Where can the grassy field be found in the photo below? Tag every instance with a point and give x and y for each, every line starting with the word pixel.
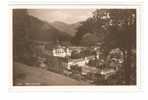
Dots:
pixel 33 76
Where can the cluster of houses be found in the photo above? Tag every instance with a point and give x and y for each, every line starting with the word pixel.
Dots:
pixel 62 52
pixel 65 52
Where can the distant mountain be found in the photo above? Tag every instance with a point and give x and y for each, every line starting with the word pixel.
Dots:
pixel 70 29
pixel 43 31
pixel 29 27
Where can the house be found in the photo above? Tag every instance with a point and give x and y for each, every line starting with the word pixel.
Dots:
pixel 107 72
pixel 78 49
pixel 89 69
pixel 80 62
pixel 61 51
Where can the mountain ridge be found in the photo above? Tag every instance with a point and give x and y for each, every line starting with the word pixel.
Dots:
pixel 70 29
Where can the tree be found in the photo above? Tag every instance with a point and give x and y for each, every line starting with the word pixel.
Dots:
pixel 115 28
pixel 21 44
pixel 123 35
pixel 93 26
pixel 55 64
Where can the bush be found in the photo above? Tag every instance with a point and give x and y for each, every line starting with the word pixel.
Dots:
pixel 55 65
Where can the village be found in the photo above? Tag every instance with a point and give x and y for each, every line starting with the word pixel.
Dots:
pixel 98 50
pixel 78 62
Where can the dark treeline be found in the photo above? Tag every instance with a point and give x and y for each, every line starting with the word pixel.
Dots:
pixel 112 28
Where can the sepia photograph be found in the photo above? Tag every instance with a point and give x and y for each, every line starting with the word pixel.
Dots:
pixel 74 47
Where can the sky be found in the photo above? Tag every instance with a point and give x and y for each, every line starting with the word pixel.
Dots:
pixel 69 16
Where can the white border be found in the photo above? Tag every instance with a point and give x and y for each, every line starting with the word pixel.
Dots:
pixel 136 88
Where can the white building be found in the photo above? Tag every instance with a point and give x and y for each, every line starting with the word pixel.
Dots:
pixel 61 51
pixel 79 62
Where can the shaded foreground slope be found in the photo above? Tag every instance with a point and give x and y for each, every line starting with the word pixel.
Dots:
pixel 26 75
